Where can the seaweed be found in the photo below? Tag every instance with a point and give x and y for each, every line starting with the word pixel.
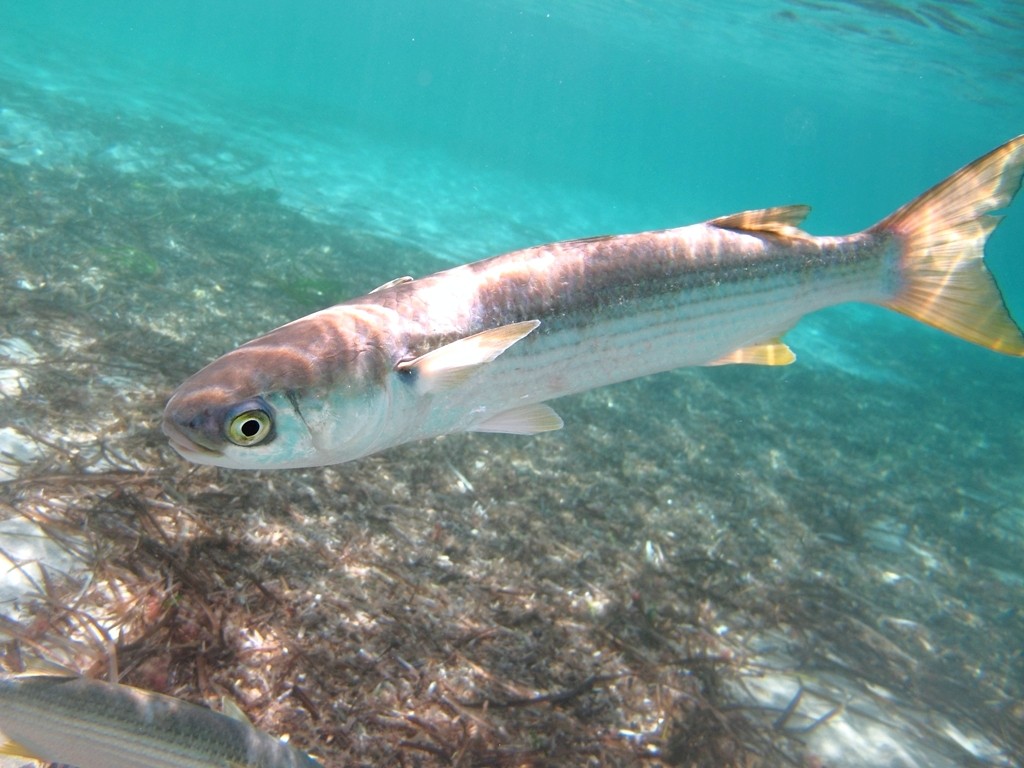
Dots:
pixel 609 596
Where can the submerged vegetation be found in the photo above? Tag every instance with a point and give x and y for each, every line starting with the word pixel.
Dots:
pixel 681 577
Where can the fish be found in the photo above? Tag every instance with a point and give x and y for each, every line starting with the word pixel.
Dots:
pixel 95 724
pixel 482 347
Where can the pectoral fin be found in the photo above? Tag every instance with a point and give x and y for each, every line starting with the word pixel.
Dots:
pixel 525 420
pixel 773 352
pixel 452 364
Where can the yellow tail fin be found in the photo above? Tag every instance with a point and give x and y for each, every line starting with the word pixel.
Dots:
pixel 943 234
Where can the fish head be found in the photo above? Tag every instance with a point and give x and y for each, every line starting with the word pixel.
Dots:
pixel 310 393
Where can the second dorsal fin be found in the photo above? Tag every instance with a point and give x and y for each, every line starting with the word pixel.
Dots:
pixel 781 220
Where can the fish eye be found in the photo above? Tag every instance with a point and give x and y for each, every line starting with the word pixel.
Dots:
pixel 250 426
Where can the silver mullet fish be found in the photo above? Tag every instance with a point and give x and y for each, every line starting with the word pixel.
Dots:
pixel 93 724
pixel 481 347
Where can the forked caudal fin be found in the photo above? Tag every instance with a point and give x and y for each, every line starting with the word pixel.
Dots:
pixel 943 234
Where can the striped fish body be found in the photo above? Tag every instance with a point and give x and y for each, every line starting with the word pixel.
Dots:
pixel 92 724
pixel 609 309
pixel 482 346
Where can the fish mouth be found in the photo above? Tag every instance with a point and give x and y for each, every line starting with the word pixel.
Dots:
pixel 183 444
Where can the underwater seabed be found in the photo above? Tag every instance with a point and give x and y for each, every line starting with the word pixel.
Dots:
pixel 406 194
pixel 733 566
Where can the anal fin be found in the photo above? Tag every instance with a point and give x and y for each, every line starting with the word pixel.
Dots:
pixel 11 748
pixel 773 352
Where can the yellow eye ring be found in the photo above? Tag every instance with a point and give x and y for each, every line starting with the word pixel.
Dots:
pixel 249 427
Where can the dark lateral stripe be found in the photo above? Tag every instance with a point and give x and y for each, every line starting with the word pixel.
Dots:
pixel 577 283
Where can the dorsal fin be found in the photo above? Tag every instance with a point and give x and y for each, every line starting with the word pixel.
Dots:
pixel 392 283
pixel 781 220
pixel 230 708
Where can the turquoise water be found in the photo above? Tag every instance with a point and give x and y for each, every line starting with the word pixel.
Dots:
pixel 450 132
